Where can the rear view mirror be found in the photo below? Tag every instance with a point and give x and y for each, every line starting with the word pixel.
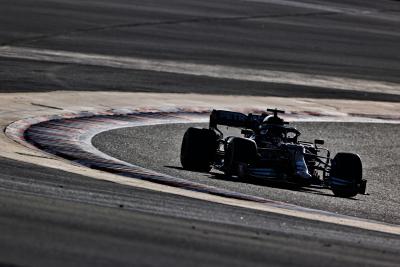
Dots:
pixel 319 142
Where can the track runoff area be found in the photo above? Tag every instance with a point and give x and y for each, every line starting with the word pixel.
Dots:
pixel 76 136
pixel 72 139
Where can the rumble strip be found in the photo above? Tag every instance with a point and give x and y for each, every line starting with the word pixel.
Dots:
pixel 68 136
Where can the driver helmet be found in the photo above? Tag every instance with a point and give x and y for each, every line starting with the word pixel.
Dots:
pixel 271 119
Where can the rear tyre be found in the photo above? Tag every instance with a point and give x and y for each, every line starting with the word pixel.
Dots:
pixel 346 175
pixel 238 150
pixel 198 149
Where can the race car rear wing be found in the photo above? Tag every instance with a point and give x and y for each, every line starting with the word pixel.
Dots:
pixel 235 119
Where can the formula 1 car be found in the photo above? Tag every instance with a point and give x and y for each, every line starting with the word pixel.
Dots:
pixel 269 149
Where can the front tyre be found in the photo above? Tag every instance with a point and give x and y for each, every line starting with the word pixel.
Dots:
pixel 198 149
pixel 238 151
pixel 346 175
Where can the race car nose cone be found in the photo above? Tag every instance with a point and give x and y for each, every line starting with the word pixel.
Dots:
pixel 303 175
pixel 302 170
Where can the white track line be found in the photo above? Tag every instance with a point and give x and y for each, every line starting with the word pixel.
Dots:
pixel 197 69
pixel 334 8
pixel 17 106
pixel 283 208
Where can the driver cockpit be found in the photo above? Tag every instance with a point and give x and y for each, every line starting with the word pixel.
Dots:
pixel 272 134
pixel 273 130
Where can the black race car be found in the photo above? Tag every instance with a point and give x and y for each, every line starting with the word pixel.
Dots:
pixel 269 149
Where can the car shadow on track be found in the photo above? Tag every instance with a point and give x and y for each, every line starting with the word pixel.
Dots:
pixel 317 190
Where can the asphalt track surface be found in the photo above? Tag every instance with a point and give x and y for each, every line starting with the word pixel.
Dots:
pixel 158 148
pixel 250 34
pixel 52 218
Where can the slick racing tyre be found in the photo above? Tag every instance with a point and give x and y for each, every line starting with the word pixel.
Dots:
pixel 346 175
pixel 198 149
pixel 238 150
